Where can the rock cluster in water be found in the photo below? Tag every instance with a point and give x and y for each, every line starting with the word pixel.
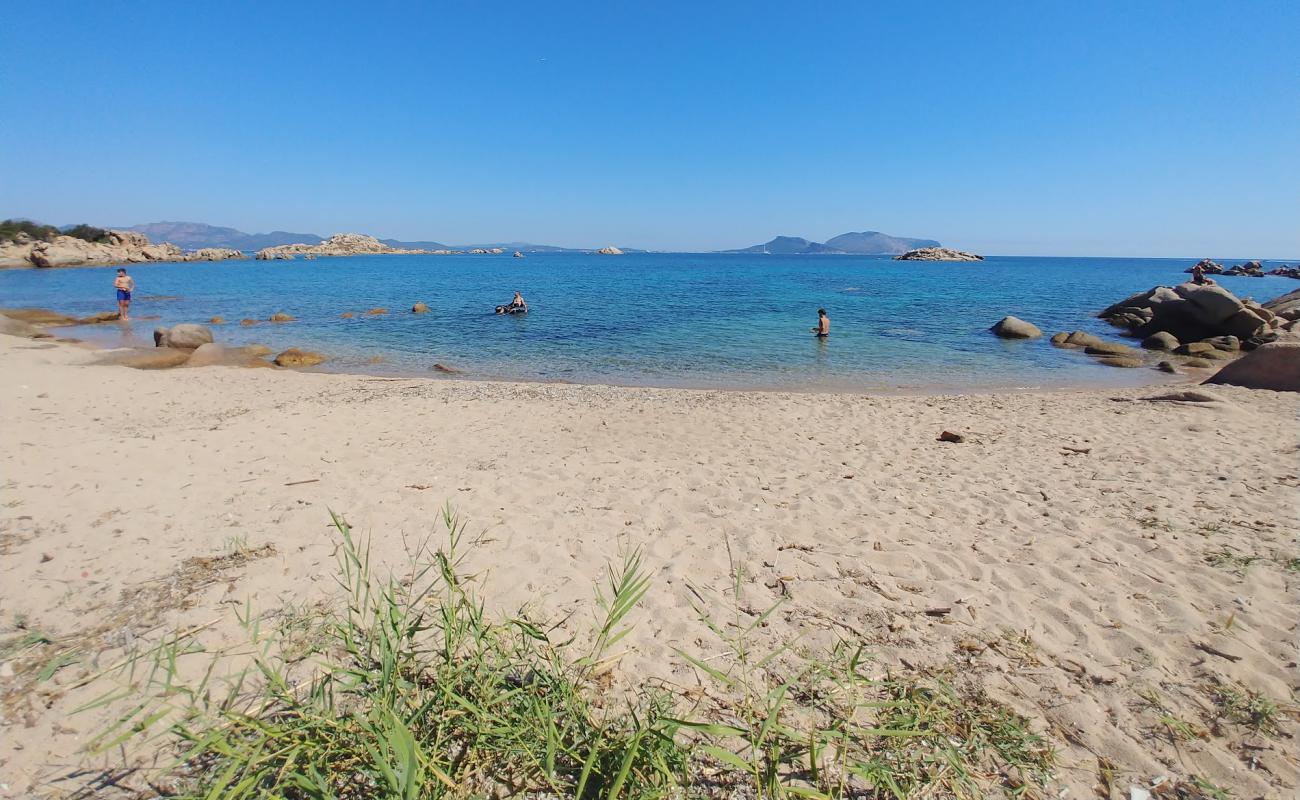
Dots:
pixel 118 247
pixel 1203 323
pixel 1251 269
pixel 1193 312
pixel 937 254
pixel 609 251
pixel 355 244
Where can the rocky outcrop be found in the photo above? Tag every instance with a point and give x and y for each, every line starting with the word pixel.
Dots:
pixel 1016 328
pixel 340 244
pixel 1274 366
pixel 937 254
pixel 215 355
pixel 1189 312
pixel 1208 266
pixel 145 357
pixel 117 247
pixel 214 254
pixel 294 357
pixel 420 308
pixel 1251 269
pixel 609 251
pixel 1285 272
pixel 1287 306
pixel 186 336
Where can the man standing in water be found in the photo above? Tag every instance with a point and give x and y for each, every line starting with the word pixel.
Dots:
pixel 124 285
pixel 823 328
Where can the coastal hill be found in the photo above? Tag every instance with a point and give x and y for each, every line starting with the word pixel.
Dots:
pixel 875 243
pixel 864 243
pixel 197 235
pixel 788 246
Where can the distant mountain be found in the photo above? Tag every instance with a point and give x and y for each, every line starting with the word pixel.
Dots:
pixel 529 247
pixel 194 235
pixel 875 243
pixel 417 245
pixel 788 246
pixel 865 243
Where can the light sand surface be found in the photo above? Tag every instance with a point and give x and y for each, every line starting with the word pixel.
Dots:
pixel 1068 534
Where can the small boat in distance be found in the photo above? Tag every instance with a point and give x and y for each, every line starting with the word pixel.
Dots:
pixel 518 254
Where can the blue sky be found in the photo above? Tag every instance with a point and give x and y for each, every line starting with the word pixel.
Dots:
pixel 1053 128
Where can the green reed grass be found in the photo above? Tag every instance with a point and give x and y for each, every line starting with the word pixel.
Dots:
pixel 412 690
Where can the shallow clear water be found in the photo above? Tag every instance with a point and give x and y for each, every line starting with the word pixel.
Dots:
pixel 654 319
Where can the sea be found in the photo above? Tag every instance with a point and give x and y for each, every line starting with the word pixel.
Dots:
pixel 656 319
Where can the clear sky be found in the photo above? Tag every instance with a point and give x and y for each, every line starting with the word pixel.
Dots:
pixel 1052 128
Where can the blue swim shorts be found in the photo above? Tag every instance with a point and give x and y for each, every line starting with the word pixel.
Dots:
pixel 123 294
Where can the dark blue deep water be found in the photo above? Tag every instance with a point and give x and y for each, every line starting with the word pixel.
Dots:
pixel 653 319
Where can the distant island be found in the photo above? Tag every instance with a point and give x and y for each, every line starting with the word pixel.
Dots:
pixel 199 235
pixel 861 243
pixel 26 243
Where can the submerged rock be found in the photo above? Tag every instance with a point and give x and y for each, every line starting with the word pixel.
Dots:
pixel 419 308
pixel 186 336
pixel 1015 328
pixel 1120 361
pixel 146 357
pixel 1081 339
pixel 102 317
pixel 1160 341
pixel 39 316
pixel 280 316
pixel 16 327
pixel 374 312
pixel 217 321
pixel 1110 349
pixel 294 357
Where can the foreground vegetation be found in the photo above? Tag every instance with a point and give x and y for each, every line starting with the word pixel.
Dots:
pixel 412 690
pixel 10 228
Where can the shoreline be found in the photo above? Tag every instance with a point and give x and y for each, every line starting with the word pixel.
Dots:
pixel 1078 538
pixel 1154 378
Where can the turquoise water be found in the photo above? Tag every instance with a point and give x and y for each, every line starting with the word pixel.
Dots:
pixel 726 321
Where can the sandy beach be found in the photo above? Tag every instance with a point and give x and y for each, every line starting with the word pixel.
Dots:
pixel 1105 560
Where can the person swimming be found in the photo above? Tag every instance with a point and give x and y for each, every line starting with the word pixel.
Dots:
pixel 823 328
pixel 516 306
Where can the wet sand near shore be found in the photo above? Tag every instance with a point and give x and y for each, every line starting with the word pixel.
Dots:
pixel 1106 561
